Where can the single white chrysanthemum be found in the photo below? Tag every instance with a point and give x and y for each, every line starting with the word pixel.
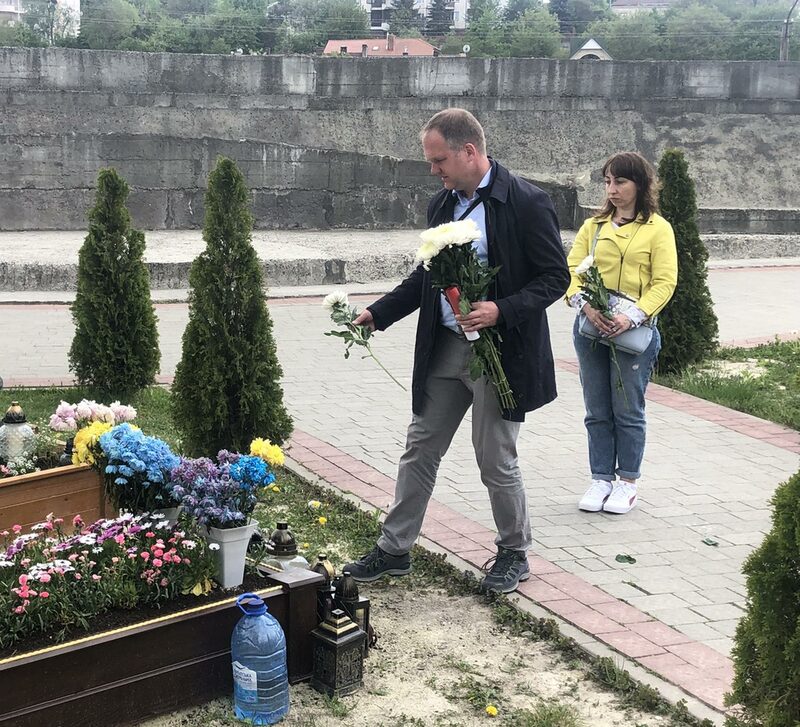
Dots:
pixel 338 297
pixel 584 265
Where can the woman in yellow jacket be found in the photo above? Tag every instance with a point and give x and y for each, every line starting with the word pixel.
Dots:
pixel 635 254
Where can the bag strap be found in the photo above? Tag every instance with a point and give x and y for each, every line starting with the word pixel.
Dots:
pixel 596 235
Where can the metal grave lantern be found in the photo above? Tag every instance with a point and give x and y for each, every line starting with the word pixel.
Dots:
pixel 282 549
pixel 347 598
pixel 16 434
pixel 325 590
pixel 338 655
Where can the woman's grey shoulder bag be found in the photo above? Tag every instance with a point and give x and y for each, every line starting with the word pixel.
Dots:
pixel 633 341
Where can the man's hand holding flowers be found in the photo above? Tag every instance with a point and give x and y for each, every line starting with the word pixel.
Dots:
pixel 485 314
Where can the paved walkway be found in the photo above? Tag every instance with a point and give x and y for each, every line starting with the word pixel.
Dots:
pixel 708 473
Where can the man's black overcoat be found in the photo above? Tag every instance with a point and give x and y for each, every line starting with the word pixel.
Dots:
pixel 524 240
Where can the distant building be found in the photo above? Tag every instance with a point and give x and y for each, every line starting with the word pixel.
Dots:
pixel 11 11
pixel 626 7
pixel 380 12
pixel 381 47
pixel 591 50
pixel 68 19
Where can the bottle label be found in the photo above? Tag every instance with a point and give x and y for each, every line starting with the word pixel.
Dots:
pixel 245 684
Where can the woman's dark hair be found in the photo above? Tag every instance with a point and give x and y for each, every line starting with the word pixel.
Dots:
pixel 632 165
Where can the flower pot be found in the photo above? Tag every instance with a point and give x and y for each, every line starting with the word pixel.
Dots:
pixel 230 556
pixel 169 514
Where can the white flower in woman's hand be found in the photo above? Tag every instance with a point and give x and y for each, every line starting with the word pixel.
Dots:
pixel 338 297
pixel 584 265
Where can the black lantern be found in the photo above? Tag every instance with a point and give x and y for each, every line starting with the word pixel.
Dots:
pixel 354 605
pixel 338 655
pixel 324 589
pixel 282 549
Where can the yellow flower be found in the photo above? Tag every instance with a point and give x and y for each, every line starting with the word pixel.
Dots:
pixel 314 504
pixel 275 488
pixel 491 710
pixel 86 447
pixel 269 452
pixel 322 520
pixel 306 545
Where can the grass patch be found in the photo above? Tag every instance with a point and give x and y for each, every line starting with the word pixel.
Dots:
pixel 545 715
pixel 772 392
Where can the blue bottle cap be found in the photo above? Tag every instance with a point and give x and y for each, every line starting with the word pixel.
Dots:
pixel 251 604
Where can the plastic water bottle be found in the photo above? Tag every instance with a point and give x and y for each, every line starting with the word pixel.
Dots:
pixel 258 651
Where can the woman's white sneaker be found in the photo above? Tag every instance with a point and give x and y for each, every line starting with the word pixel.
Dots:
pixel 594 498
pixel 622 498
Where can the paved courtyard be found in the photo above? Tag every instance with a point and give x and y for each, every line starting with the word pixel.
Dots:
pixel 708 473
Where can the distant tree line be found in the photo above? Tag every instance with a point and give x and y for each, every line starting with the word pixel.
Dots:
pixel 712 29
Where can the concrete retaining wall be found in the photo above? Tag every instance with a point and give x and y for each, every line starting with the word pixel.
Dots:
pixel 64 113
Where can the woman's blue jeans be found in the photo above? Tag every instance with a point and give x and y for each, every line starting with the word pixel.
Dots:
pixel 615 421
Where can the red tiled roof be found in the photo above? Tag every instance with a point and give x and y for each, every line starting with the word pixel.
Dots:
pixel 379 47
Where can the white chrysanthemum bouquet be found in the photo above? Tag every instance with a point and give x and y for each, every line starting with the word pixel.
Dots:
pixel 447 252
pixel 343 314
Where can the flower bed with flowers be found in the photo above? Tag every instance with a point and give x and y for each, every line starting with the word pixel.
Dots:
pixel 56 581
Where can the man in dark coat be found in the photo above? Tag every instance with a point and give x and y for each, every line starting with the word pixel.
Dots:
pixel 519 233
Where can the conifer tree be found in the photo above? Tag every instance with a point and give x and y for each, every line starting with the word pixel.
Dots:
pixel 227 385
pixel 766 651
pixel 688 323
pixel 115 348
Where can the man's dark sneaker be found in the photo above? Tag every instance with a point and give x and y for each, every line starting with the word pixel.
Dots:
pixel 378 563
pixel 506 570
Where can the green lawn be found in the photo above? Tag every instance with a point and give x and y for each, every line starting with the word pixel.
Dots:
pixel 768 386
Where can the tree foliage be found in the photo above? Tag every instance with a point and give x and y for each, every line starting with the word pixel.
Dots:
pixel 115 348
pixel 766 650
pixel 227 385
pixel 688 323
pixel 535 35
pixel 406 20
pixel 439 18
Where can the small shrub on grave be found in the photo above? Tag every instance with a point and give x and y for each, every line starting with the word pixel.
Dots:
pixel 688 323
pixel 227 385
pixel 115 348
pixel 766 653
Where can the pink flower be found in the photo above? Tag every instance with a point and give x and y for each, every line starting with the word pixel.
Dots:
pixel 72 557
pixel 145 556
pixel 19 609
pixel 23 580
pixel 78 576
pixel 150 534
pixel 25 562
pixel 17 529
pixel 96 577
pixel 58 520
pixel 187 561
pixel 176 559
pixel 164 582
pixel 115 559
pixel 44 578
pixel 44 594
pixel 157 562
pixel 47 525
pixel 158 552
pixel 5 533
pixel 119 539
pixel 77 521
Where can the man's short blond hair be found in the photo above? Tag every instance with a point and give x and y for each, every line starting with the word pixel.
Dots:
pixel 457 127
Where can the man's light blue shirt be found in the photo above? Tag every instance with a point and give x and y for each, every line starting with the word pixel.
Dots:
pixel 481 245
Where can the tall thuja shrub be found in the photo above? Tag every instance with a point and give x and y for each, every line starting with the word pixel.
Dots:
pixel 115 348
pixel 227 385
pixel 688 323
pixel 766 651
